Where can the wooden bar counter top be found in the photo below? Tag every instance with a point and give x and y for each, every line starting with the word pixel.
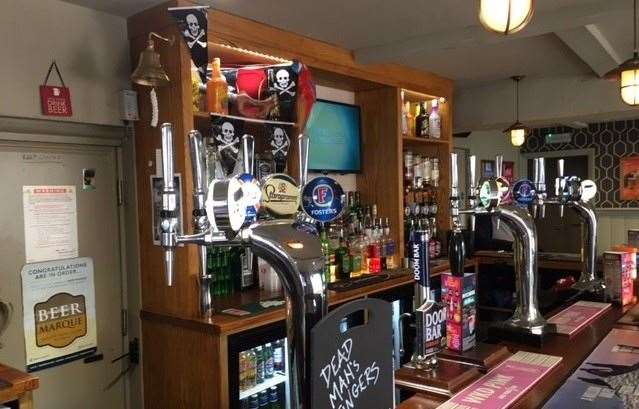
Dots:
pixel 16 386
pixel 573 351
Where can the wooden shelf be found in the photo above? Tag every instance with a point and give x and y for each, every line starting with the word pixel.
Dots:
pixel 408 140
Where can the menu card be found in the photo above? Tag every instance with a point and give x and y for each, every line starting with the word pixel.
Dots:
pixel 608 378
pixel 504 384
pixel 577 316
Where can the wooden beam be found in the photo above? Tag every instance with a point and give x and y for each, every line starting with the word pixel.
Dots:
pixel 474 36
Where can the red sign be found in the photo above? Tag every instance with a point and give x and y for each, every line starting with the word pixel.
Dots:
pixel 55 100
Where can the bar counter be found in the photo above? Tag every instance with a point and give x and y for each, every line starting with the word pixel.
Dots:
pixel 224 324
pixel 16 387
pixel 573 351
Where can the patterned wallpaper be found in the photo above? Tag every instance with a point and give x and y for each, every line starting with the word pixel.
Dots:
pixel 610 140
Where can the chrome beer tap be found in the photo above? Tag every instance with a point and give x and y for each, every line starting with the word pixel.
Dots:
pixel 294 253
pixel 527 318
pixel 572 192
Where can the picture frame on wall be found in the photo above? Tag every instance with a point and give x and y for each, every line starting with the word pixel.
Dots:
pixel 629 178
pixel 487 168
pixel 508 172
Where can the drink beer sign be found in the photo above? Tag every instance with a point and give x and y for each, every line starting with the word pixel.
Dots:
pixel 58 312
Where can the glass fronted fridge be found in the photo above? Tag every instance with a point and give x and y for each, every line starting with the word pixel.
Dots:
pixel 258 369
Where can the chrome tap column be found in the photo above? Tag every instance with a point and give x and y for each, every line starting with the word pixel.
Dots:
pixel 527 318
pixel 572 192
pixel 220 220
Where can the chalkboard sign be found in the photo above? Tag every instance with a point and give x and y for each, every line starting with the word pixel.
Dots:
pixel 353 367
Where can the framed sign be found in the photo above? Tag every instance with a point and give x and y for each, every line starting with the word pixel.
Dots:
pixel 58 300
pixel 487 168
pixel 156 202
pixel 55 100
pixel 629 178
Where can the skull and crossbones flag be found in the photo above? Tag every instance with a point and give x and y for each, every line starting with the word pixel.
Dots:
pixel 279 144
pixel 193 24
pixel 227 132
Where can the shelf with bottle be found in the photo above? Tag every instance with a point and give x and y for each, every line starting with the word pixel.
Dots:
pixel 359 243
pixel 421 118
pixel 262 371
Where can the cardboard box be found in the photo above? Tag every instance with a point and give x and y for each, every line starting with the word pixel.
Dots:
pixel 459 295
pixel 618 270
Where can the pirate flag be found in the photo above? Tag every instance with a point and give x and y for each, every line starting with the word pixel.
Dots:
pixel 193 23
pixel 227 132
pixel 279 144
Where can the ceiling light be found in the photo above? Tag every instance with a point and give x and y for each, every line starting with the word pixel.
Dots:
pixel 517 131
pixel 505 16
pixel 628 72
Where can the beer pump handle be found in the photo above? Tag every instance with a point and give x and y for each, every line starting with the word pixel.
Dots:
pixel 454 178
pixel 248 150
pixel 472 189
pixel 539 178
pixel 499 166
pixel 303 142
pixel 198 163
pixel 169 216
pixel 559 186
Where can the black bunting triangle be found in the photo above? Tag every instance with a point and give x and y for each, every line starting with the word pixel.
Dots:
pixel 193 25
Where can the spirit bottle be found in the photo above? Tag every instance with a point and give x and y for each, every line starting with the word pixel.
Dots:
pixel 410 119
pixel 422 123
pixel 405 110
pixel 342 259
pixel 217 90
pixel 328 253
pixel 435 121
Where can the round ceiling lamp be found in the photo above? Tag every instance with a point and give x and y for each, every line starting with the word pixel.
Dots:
pixel 505 16
pixel 628 72
pixel 517 131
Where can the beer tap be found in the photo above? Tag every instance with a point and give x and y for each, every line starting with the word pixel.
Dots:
pixel 572 192
pixel 527 318
pixel 220 220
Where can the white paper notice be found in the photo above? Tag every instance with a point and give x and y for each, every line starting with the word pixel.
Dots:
pixel 50 222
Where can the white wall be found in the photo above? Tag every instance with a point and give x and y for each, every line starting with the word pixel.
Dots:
pixel 91 49
pixel 347 181
pixel 487 144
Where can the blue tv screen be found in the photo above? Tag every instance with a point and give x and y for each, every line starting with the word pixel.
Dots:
pixel 334 132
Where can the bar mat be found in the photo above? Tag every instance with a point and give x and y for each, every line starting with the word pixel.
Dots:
pixel 255 308
pixel 359 282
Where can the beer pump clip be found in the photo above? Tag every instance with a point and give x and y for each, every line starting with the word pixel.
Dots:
pixel 219 219
pixel 571 191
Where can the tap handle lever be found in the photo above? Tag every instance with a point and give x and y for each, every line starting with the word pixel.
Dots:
pixel 303 141
pixel 499 165
pixel 454 177
pixel 248 149
pixel 199 168
pixel 472 168
pixel 169 214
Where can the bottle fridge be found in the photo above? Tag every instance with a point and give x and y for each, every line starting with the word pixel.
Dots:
pixel 258 372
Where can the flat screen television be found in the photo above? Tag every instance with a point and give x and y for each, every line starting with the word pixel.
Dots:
pixel 335 140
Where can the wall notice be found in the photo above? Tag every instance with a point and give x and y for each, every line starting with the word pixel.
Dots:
pixel 50 222
pixel 59 312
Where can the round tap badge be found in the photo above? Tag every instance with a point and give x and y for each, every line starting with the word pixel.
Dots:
pixel 280 195
pixel 588 190
pixel 252 195
pixel 322 199
pixel 524 192
pixel 489 194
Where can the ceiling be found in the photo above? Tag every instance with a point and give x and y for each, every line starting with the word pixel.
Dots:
pixel 565 38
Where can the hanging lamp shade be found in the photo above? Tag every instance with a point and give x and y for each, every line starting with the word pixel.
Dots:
pixel 149 71
pixel 505 16
pixel 628 73
pixel 517 131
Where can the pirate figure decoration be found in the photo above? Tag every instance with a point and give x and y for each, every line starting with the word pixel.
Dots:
pixel 279 145
pixel 282 82
pixel 193 23
pixel 227 132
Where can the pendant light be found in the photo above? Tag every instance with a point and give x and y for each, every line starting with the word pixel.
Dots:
pixel 505 16
pixel 517 131
pixel 628 72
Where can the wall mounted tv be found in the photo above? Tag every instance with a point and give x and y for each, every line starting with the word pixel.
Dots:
pixel 335 137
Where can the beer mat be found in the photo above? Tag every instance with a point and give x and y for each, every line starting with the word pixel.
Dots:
pixel 255 308
pixel 576 317
pixel 505 384
pixel 631 317
pixel 608 378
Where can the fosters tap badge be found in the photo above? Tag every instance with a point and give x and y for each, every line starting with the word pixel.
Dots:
pixel 322 199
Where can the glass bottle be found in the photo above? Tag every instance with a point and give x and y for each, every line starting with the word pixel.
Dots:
pixel 405 110
pixel 259 365
pixel 327 251
pixel 274 398
pixel 269 367
pixel 435 121
pixel 251 377
pixel 435 173
pixel 390 247
pixel 410 119
pixel 342 258
pixel 217 90
pixel 363 248
pixel 422 123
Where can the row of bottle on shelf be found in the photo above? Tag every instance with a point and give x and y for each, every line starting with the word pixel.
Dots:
pixel 359 243
pixel 261 363
pixel 421 123
pixel 271 398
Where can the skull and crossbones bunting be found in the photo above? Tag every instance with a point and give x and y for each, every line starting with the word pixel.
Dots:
pixel 226 136
pixel 279 145
pixel 193 24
